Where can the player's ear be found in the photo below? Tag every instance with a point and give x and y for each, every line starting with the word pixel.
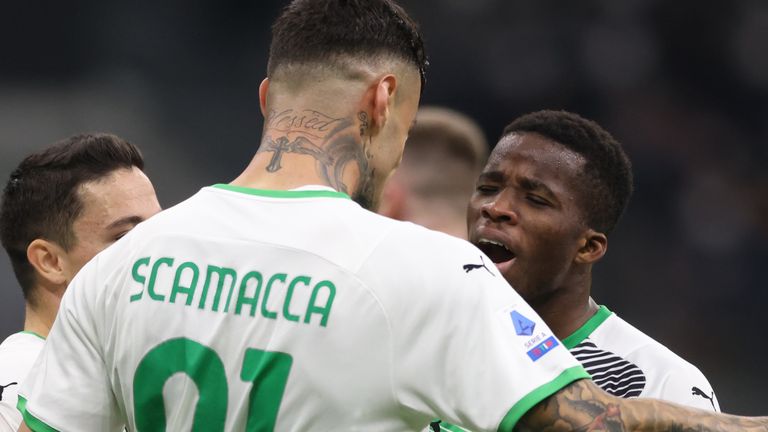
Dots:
pixel 594 245
pixel 47 258
pixel 382 99
pixel 263 89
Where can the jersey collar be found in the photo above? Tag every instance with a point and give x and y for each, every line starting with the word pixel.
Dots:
pixel 309 191
pixel 587 328
pixel 31 333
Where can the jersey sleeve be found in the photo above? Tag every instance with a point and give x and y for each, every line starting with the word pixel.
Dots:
pixel 688 386
pixel 466 348
pixel 10 417
pixel 68 388
pixel 10 377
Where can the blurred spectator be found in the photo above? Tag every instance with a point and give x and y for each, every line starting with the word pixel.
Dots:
pixel 443 156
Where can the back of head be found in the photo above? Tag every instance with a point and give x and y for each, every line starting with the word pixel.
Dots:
pixel 41 199
pixel 444 154
pixel 607 172
pixel 335 36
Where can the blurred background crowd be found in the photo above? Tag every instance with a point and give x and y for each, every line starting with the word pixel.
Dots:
pixel 683 85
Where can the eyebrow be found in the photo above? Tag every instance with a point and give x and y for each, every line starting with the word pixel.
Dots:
pixel 496 176
pixel 128 220
pixel 531 184
pixel 527 183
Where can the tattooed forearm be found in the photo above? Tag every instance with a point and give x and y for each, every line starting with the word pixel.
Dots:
pixel 582 406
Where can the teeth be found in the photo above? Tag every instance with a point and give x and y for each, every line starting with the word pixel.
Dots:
pixel 492 242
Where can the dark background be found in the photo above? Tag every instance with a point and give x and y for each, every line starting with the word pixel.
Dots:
pixel 683 84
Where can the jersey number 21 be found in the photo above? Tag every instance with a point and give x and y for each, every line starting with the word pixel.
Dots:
pixel 267 371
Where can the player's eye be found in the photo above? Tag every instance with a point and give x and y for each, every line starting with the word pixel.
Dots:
pixel 486 189
pixel 537 200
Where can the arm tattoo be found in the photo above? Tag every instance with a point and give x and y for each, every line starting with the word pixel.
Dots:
pixel 330 141
pixel 582 406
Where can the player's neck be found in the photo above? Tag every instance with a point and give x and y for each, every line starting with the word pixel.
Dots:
pixel 568 308
pixel 39 318
pixel 302 146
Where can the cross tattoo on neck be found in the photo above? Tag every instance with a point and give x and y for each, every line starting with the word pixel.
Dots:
pixel 279 146
pixel 300 145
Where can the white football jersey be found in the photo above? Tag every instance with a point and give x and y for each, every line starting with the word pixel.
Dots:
pixel 626 362
pixel 17 354
pixel 243 309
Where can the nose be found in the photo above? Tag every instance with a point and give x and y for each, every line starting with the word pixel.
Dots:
pixel 499 210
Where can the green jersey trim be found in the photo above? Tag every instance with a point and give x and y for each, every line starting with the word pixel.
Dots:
pixel 542 392
pixel 283 193
pixel 32 333
pixel 33 423
pixel 587 328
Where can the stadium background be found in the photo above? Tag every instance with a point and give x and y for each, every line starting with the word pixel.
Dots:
pixel 684 85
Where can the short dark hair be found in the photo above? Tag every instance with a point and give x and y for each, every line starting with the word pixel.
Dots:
pixel 319 31
pixel 444 140
pixel 41 198
pixel 608 170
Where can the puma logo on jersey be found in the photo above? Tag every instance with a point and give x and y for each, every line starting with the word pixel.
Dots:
pixel 469 267
pixel 699 392
pixel 3 387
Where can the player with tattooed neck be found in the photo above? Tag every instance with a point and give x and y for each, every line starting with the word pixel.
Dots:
pixel 277 303
pixel 343 125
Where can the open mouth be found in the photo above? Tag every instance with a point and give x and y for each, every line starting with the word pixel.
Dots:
pixel 497 252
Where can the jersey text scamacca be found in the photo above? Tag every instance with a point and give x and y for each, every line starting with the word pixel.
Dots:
pixel 221 289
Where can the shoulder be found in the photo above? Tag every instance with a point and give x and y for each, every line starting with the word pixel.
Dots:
pixel 183 216
pixel 433 269
pixel 430 254
pixel 17 355
pixel 10 417
pixel 637 345
pixel 121 254
pixel 20 347
pixel 431 246
pixel 670 376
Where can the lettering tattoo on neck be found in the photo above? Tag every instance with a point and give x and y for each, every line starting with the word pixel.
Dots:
pixel 329 140
pixel 309 122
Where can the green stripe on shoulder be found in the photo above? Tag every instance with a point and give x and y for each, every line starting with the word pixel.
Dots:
pixel 542 392
pixel 33 423
pixel 283 193
pixel 587 328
